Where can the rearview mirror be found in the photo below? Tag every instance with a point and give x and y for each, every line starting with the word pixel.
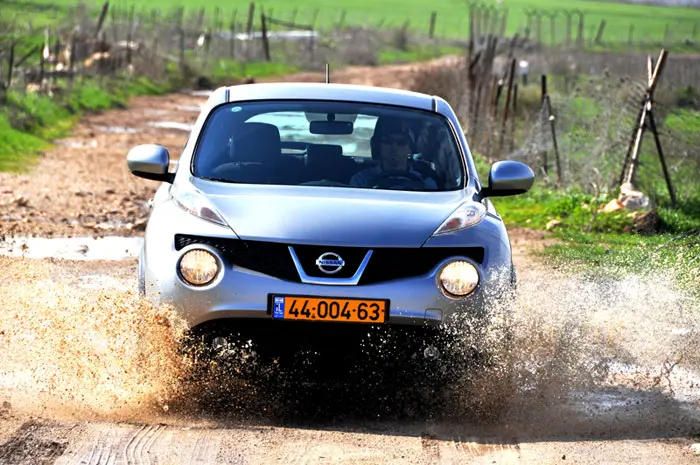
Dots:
pixel 508 178
pixel 150 161
pixel 331 127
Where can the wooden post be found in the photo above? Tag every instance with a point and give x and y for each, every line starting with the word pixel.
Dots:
pixel 11 64
pixel 551 118
pixel 42 63
pixel 129 35
pixel 601 30
pixel 667 34
pixel 431 29
pixel 511 78
pixel 513 118
pixel 101 20
pixel 543 87
pixel 71 64
pixel 543 84
pixel 631 162
pixel 232 40
pixel 251 18
pixel 568 29
pixel 695 30
pixel 657 141
pixel 266 44
pixel 341 21
pixel 630 37
pixel 579 38
pixel 504 22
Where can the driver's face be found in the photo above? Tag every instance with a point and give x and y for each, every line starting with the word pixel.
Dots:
pixel 394 151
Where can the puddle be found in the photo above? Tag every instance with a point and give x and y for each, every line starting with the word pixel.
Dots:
pixel 192 108
pixel 74 248
pixel 291 35
pixel 154 112
pixel 118 129
pixel 77 144
pixel 171 125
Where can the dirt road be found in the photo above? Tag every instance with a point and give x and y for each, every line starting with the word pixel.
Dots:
pixel 89 374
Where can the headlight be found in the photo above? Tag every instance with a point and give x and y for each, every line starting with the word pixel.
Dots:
pixel 459 278
pixel 466 215
pixel 198 267
pixel 195 203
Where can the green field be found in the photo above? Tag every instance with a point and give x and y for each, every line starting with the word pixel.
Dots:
pixel 651 23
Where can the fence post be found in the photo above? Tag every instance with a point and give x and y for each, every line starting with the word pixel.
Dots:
pixel 543 84
pixel 11 64
pixel 551 118
pixel 232 39
pixel 266 44
pixel 630 37
pixel 249 25
pixel 511 76
pixel 513 118
pixel 504 23
pixel 101 20
pixel 341 21
pixel 579 38
pixel 431 30
pixel 601 30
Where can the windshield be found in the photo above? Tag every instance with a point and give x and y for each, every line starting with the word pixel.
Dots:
pixel 340 144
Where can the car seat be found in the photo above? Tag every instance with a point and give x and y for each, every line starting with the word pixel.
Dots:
pixel 325 161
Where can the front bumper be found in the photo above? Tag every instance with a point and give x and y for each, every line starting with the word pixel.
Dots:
pixel 242 293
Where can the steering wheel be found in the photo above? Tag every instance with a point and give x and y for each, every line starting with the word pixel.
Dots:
pixel 390 178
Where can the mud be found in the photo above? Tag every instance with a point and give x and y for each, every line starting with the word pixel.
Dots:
pixel 600 368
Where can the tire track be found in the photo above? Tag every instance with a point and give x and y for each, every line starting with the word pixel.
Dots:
pixel 431 448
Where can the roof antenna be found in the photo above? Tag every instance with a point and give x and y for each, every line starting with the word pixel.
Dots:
pixel 328 74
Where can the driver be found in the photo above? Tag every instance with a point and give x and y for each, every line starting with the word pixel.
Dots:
pixel 393 145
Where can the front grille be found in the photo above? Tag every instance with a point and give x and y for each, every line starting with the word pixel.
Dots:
pixel 388 264
pixel 385 264
pixel 270 258
pixel 308 254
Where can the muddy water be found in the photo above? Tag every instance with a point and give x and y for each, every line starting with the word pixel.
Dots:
pixel 591 355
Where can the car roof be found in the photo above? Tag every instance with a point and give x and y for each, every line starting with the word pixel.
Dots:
pixel 330 91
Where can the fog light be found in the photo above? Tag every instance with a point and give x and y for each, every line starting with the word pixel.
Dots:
pixel 459 278
pixel 199 267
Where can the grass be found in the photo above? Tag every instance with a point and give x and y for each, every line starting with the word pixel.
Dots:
pixel 650 22
pixel 416 53
pixel 588 238
pixel 29 122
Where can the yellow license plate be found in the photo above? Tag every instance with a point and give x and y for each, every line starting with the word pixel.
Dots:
pixel 329 309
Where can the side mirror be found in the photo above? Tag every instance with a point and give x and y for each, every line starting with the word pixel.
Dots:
pixel 150 161
pixel 508 178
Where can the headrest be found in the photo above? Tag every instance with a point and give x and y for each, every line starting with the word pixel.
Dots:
pixel 256 142
pixel 323 153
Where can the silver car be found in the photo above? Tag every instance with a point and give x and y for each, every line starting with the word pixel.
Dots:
pixel 316 210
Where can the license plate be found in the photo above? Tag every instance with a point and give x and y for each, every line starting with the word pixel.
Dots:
pixel 329 309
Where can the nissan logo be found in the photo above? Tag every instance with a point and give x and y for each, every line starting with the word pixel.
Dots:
pixel 330 263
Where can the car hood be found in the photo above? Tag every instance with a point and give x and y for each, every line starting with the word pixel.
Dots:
pixel 331 215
